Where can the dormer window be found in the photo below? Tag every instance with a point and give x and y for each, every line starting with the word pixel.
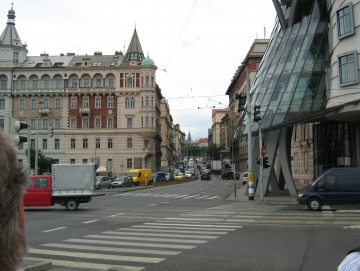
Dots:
pixel 16 57
pixel 38 65
pixel 58 64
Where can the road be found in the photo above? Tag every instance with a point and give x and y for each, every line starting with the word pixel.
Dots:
pixel 190 226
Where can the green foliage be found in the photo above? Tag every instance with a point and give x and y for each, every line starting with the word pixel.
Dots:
pixel 44 163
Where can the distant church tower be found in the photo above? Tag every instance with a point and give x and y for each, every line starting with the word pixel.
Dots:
pixel 189 137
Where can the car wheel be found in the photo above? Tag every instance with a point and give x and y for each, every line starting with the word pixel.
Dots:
pixel 71 204
pixel 109 186
pixel 99 187
pixel 314 204
pixel 138 184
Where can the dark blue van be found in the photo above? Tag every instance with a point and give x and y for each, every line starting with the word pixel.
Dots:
pixel 158 177
pixel 335 186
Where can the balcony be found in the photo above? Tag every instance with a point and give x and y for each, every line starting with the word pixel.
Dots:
pixel 44 111
pixel 84 111
pixel 90 90
pixel 148 131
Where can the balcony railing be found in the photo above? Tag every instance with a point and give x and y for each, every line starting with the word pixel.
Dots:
pixel 44 111
pixel 85 111
pixel 89 90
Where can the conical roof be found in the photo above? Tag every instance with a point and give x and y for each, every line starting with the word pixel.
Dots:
pixel 10 36
pixel 134 51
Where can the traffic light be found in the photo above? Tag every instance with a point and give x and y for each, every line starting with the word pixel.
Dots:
pixel 51 131
pixel 256 113
pixel 242 100
pixel 265 162
pixel 258 159
pixel 20 138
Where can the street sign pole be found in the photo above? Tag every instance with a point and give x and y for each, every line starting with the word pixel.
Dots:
pixel 263 152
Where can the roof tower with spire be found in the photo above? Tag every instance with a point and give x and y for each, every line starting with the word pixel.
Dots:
pixel 134 54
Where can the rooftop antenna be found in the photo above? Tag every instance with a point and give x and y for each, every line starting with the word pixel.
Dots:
pixel 264 32
pixel 124 46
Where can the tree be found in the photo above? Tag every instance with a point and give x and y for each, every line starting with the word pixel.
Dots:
pixel 44 163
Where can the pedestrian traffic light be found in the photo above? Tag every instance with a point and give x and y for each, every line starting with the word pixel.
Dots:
pixel 258 160
pixel 51 131
pixel 265 162
pixel 20 138
pixel 256 113
pixel 242 100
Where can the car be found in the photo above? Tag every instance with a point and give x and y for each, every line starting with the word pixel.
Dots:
pixel 192 172
pixel 180 176
pixel 228 175
pixel 169 177
pixel 103 182
pixel 122 182
pixel 158 177
pixel 237 175
pixel 205 174
pixel 176 171
pixel 120 175
pixel 188 174
pixel 244 177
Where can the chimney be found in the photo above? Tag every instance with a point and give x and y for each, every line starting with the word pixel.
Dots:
pixel 98 53
pixel 118 53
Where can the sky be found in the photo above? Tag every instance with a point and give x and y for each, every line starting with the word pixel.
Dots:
pixel 197 45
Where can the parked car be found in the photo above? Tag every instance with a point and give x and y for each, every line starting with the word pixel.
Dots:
pixel 228 175
pixel 244 177
pixel 103 182
pixel 123 175
pixel 122 182
pixel 188 174
pixel 180 176
pixel 205 174
pixel 169 177
pixel 237 175
pixel 192 172
pixel 158 177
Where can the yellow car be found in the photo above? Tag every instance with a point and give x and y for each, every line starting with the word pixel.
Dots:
pixel 180 176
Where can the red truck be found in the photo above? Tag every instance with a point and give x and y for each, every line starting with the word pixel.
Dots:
pixel 68 185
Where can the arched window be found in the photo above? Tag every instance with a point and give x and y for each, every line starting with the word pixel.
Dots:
pixel 127 102
pixel 132 104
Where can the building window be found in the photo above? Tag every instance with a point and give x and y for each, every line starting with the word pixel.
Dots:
pixel 85 143
pixel 2 123
pixel 110 143
pixel 44 144
pixel 21 103
pixel 129 143
pixel 16 57
pixel 33 103
pixel 97 123
pixel 86 102
pixel 32 143
pixel 46 103
pixel 147 101
pixel 345 20
pixel 152 81
pixel 129 82
pixel 127 102
pixel 348 68
pixel 129 123
pixel 57 144
pixel 58 83
pixel 111 83
pixel 3 84
pixel 33 124
pixel 85 124
pixel 2 103
pixel 98 83
pixel 74 83
pixel 45 123
pixel 142 121
pixel 73 143
pixel 152 121
pixel 152 101
pixel 110 123
pixel 147 81
pixel 86 83
pixel 23 84
pixel 129 163
pixel 35 85
pixel 97 102
pixel 97 143
pixel 132 102
pixel 58 103
pixel 110 102
pixel 85 161
pixel 73 102
pixel 142 101
pixel 47 84
pixel 21 146
pixel 146 121
pixel 57 123
pixel 72 161
pixel 72 123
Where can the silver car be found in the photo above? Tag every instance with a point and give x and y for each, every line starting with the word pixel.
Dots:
pixel 103 182
pixel 188 174
pixel 123 181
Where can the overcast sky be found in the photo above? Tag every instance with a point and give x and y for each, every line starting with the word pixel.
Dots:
pixel 199 43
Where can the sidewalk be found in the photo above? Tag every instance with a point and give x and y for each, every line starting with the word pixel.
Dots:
pixel 283 198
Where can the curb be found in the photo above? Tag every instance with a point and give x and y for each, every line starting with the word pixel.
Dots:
pixel 35 266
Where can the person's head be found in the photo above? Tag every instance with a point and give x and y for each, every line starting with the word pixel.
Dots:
pixel 12 181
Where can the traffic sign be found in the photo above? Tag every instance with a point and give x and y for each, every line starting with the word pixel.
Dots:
pixel 263 150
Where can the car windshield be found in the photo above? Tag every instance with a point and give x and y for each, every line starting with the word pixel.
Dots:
pixel 132 174
pixel 98 178
pixel 245 174
pixel 187 172
pixel 120 178
pixel 180 174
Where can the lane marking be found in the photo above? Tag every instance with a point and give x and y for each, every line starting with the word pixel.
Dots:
pixel 170 226
pixel 160 234
pixel 152 205
pixel 56 229
pixel 195 225
pixel 163 230
pixel 91 221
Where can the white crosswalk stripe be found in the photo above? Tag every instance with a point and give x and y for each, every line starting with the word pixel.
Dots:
pixel 175 196
pixel 138 245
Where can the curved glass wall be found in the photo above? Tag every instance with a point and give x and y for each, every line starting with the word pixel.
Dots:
pixel 290 82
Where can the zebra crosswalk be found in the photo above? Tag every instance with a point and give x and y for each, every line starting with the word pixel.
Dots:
pixel 132 248
pixel 174 196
